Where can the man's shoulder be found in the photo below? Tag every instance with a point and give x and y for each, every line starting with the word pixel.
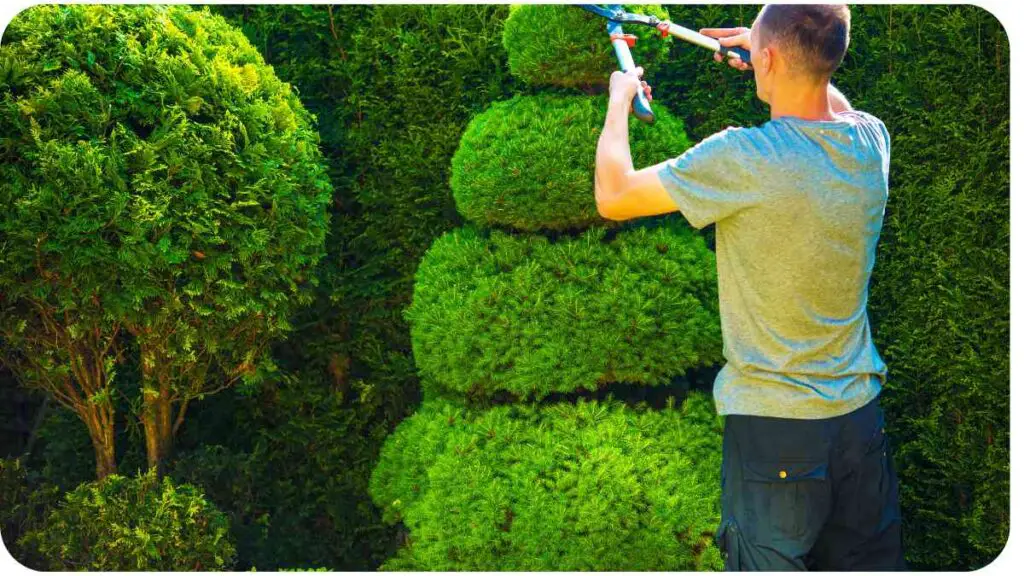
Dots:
pixel 874 125
pixel 862 116
pixel 744 140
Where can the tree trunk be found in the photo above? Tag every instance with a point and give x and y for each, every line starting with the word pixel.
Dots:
pixel 156 419
pixel 99 420
pixel 97 415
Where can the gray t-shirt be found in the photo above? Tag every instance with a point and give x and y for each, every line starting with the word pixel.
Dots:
pixel 798 206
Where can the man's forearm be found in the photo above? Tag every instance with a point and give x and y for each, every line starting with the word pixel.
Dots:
pixel 613 161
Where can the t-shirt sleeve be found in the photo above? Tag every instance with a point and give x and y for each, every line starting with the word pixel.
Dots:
pixel 711 181
pixel 878 129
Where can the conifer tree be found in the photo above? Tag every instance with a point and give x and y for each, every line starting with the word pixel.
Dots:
pixel 165 201
pixel 528 320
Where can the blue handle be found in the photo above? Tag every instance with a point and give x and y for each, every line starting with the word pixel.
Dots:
pixel 641 107
pixel 743 53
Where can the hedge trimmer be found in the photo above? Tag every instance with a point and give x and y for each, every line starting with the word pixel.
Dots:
pixel 621 43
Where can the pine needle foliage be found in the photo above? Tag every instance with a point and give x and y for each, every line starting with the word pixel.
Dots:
pixel 531 316
pixel 560 45
pixel 528 162
pixel 134 524
pixel 591 486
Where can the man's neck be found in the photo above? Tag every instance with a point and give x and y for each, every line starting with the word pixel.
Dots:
pixel 806 101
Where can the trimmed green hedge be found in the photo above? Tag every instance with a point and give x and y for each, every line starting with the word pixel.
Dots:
pixel 530 316
pixel 938 76
pixel 528 162
pixel 559 45
pixel 592 486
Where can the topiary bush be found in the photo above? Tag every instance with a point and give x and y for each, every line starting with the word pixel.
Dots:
pixel 562 487
pixel 500 316
pixel 528 162
pixel 549 45
pixel 494 311
pixel 161 183
pixel 133 524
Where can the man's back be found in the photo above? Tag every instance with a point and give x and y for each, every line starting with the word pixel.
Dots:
pixel 799 207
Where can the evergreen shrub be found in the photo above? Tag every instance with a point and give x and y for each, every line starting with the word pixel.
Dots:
pixel 591 486
pixel 549 45
pixel 159 182
pixel 528 162
pixel 172 173
pixel 531 316
pixel 133 524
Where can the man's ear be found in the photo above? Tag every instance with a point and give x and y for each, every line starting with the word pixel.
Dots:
pixel 767 61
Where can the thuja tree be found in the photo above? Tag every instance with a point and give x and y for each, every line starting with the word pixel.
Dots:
pixel 163 196
pixel 522 321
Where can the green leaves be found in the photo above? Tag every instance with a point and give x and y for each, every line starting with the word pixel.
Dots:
pixel 528 162
pixel 495 312
pixel 186 163
pixel 561 45
pixel 126 524
pixel 592 486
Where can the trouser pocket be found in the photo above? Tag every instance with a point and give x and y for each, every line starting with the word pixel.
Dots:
pixel 727 539
pixel 789 499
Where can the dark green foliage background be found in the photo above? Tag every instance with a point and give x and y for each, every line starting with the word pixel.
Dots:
pixel 528 162
pixel 519 313
pixel 595 485
pixel 393 88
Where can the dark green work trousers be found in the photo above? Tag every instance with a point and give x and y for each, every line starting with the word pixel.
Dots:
pixel 810 494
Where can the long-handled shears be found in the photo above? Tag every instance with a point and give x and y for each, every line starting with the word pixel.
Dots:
pixel 616 17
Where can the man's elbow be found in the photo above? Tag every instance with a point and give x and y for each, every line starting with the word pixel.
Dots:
pixel 607 210
pixel 604 203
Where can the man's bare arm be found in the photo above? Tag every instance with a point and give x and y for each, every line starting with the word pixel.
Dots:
pixel 621 192
pixel 614 161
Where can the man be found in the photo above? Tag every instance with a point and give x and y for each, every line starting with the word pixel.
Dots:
pixel 807 475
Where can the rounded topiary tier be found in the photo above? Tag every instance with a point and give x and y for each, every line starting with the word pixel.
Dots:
pixel 494 311
pixel 528 162
pixel 563 487
pixel 538 299
pixel 549 45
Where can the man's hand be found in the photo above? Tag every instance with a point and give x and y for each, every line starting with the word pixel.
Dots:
pixel 624 85
pixel 728 38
